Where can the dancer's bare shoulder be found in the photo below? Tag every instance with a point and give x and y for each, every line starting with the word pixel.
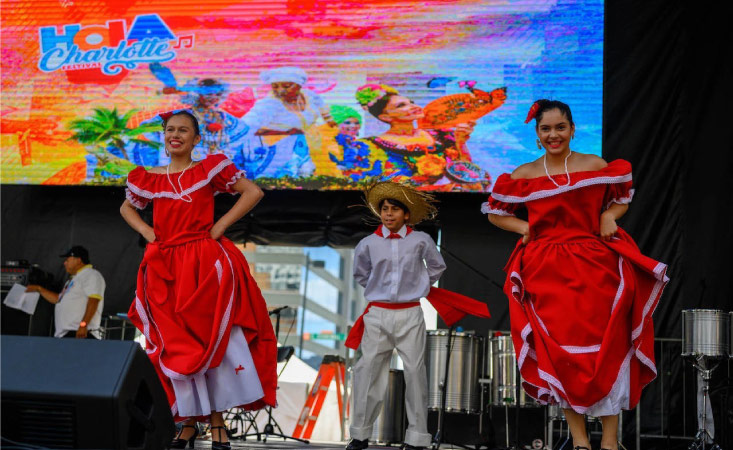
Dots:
pixel 587 162
pixel 527 170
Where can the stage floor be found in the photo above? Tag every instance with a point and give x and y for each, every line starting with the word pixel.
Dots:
pixel 276 444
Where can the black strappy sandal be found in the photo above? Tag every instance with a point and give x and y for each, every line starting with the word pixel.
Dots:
pixel 181 443
pixel 218 445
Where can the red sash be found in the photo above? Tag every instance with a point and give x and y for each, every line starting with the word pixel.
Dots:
pixel 357 331
pixel 451 307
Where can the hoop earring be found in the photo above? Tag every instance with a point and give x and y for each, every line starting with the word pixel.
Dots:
pixel 539 146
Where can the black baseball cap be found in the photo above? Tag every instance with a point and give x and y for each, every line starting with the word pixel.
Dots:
pixel 79 252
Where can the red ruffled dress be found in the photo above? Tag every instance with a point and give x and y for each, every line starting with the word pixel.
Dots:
pixel 580 307
pixel 205 321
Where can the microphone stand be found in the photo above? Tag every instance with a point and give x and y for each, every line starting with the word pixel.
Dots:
pixel 269 429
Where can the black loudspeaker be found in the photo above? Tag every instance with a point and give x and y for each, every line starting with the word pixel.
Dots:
pixel 82 393
pixel 464 429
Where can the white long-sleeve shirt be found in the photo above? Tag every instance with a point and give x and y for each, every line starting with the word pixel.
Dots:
pixel 397 270
pixel 271 113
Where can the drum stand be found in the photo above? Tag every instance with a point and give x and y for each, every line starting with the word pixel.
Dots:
pixel 703 437
pixel 438 437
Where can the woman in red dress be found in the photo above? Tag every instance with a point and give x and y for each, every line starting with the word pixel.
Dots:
pixel 205 321
pixel 581 295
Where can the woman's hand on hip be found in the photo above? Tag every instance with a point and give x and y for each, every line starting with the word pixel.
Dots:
pixel 526 233
pixel 608 227
pixel 216 232
pixel 149 235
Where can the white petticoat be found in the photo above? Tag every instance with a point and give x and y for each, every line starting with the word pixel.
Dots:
pixel 233 383
pixel 616 400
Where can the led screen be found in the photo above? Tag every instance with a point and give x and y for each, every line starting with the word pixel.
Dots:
pixel 300 94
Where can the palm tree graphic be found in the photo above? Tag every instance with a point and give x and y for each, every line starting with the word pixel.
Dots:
pixel 106 128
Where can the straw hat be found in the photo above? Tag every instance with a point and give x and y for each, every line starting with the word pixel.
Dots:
pixel 419 203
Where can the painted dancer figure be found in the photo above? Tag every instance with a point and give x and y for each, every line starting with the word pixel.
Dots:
pixel 350 155
pixel 396 266
pixel 581 295
pixel 284 140
pixel 205 321
pixel 409 154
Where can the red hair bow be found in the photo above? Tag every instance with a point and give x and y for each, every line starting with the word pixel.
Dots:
pixel 532 111
pixel 166 115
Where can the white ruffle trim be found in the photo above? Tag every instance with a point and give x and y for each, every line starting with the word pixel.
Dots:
pixel 168 194
pixel 622 200
pixel 559 190
pixel 135 200
pixel 234 382
pixel 236 177
pixel 487 209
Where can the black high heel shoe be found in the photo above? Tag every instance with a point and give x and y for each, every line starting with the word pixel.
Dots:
pixel 181 443
pixel 218 445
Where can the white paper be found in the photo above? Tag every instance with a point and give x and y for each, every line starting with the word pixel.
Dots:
pixel 30 299
pixel 18 298
pixel 14 299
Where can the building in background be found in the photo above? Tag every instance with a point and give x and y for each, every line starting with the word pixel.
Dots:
pixel 317 286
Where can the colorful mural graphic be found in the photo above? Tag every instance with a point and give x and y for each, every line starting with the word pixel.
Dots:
pixel 300 94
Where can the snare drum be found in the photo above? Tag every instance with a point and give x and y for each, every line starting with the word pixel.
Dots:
pixel 503 372
pixel 706 332
pixel 463 390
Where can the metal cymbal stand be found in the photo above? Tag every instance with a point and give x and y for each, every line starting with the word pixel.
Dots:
pixel 703 437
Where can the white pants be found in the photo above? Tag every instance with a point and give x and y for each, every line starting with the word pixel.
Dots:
pixel 385 330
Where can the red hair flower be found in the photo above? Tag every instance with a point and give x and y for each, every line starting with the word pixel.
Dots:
pixel 532 111
pixel 166 115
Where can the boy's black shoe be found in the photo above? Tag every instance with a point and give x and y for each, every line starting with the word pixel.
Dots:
pixel 356 444
pixel 411 447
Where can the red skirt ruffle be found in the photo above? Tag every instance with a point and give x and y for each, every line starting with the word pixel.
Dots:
pixel 189 294
pixel 581 318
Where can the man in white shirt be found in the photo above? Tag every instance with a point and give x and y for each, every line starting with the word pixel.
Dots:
pixel 78 312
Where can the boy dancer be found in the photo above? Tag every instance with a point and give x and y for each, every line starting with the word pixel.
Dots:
pixel 396 266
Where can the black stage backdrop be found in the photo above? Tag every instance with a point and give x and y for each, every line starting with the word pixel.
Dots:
pixel 667 109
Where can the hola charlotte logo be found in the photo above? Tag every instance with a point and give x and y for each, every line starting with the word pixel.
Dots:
pixel 109 48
